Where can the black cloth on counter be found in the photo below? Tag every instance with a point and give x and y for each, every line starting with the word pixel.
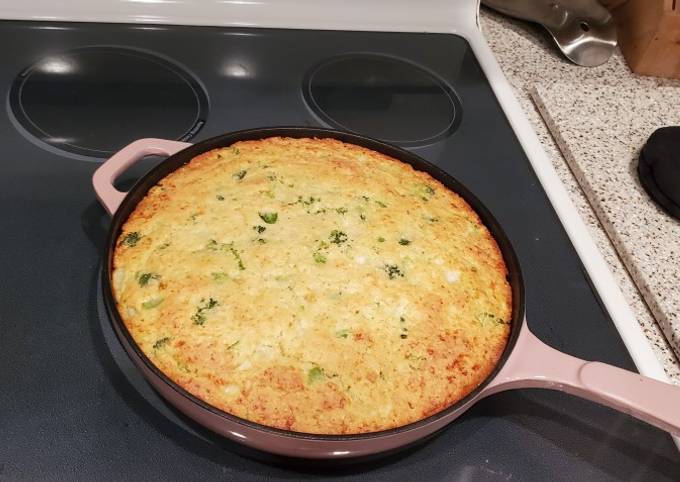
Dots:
pixel 659 168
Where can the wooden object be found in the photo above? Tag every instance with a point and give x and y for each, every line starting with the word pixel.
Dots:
pixel 649 36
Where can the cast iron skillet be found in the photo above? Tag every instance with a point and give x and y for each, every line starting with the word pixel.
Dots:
pixel 525 362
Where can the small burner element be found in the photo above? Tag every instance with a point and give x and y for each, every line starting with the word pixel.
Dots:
pixel 659 168
pixel 92 101
pixel 382 97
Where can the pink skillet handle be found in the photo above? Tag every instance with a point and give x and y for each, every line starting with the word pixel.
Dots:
pixel 104 177
pixel 533 364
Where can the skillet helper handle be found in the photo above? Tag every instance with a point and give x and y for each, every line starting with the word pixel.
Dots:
pixel 533 364
pixel 105 176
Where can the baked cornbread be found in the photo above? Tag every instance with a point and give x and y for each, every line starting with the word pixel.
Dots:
pixel 313 285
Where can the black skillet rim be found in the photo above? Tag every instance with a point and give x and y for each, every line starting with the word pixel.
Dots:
pixel 139 190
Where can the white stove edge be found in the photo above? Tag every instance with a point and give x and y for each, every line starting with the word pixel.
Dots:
pixel 432 16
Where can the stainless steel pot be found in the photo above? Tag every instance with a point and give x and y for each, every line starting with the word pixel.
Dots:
pixel 582 29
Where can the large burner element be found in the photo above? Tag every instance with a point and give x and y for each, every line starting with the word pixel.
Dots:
pixel 92 101
pixel 382 97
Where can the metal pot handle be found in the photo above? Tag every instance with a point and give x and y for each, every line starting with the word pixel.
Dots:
pixel 104 177
pixel 533 364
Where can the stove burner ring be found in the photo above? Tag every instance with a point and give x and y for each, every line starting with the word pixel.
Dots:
pixel 383 97
pixel 92 101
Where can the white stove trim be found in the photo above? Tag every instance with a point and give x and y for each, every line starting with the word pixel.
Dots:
pixel 368 15
pixel 460 17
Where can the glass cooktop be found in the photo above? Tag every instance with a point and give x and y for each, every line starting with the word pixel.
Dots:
pixel 71 405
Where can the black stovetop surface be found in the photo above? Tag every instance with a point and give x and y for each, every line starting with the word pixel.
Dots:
pixel 68 410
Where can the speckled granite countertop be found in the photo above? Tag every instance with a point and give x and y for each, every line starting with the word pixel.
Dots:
pixel 600 131
pixel 532 64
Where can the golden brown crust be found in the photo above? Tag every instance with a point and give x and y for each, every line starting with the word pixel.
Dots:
pixel 313 285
